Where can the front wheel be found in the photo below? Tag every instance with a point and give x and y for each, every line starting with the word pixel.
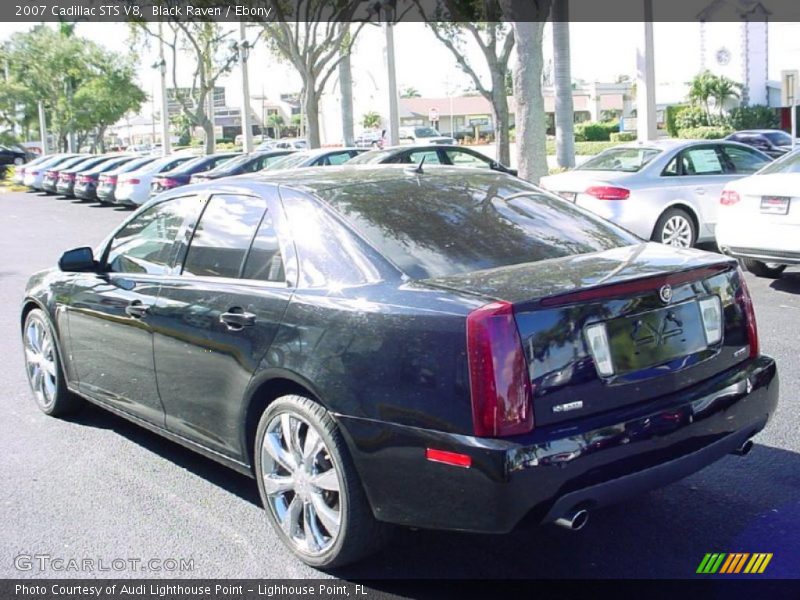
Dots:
pixel 43 367
pixel 762 269
pixel 675 228
pixel 309 486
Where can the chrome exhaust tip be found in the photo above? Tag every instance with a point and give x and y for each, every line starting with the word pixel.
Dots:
pixel 574 521
pixel 744 449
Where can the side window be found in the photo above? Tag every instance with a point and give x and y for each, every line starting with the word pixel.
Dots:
pixel 465 159
pixel 339 159
pixel 144 245
pixel 431 157
pixel 264 261
pixel 743 160
pixel 218 161
pixel 701 161
pixel 671 170
pixel 265 161
pixel 223 235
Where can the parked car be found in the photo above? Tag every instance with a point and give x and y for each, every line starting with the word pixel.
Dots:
pixel 34 175
pixel 285 144
pixel 13 156
pixel 451 349
pixel 257 139
pixel 86 182
pixel 51 174
pixel 182 174
pixel 773 142
pixel 372 138
pixel 457 156
pixel 107 182
pixel 666 191
pixel 321 157
pixel 133 188
pixel 759 218
pixel 19 171
pixel 248 163
pixel 423 135
pixel 65 185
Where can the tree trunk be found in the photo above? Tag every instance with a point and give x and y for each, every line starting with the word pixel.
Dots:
pixel 346 90
pixel 101 141
pixel 311 106
pixel 530 117
pixel 500 114
pixel 564 111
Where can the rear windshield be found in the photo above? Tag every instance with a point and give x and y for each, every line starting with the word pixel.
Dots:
pixel 628 160
pixel 779 138
pixel 288 162
pixel 449 227
pixel 790 163
pixel 425 132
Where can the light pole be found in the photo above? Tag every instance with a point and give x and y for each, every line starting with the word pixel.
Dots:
pixel 43 127
pixel 243 48
pixel 161 65
pixel 646 79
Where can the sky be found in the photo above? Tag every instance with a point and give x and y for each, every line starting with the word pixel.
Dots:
pixel 599 52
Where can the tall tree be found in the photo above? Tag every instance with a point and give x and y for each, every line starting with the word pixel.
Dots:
pixel 701 90
pixel 723 89
pixel 309 36
pixel 527 19
pixel 409 91
pixel 455 24
pixel 346 93
pixel 564 110
pixel 208 45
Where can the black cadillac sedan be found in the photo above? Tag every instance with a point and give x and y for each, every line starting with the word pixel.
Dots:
pixel 437 347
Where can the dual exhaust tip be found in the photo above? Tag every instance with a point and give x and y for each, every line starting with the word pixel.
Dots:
pixel 577 519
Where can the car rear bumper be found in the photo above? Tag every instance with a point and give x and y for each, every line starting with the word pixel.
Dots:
pixel 64 189
pixel 770 255
pixel 85 192
pixel 555 469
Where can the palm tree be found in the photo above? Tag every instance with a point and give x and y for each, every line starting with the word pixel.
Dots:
pixel 564 110
pixel 409 92
pixel 701 90
pixel 722 89
pixel 370 120
pixel 276 122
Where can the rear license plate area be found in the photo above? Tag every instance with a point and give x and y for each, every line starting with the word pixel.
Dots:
pixel 652 338
pixel 774 205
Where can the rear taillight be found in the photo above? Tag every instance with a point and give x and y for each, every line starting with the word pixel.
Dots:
pixel 34 173
pixel 169 183
pixel 499 381
pixel 110 179
pixel 711 314
pixel 746 302
pixel 67 176
pixel 132 181
pixel 608 192
pixel 729 197
pixel 84 179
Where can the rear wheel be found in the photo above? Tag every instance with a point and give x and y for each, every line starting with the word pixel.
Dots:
pixel 309 487
pixel 675 228
pixel 764 269
pixel 43 367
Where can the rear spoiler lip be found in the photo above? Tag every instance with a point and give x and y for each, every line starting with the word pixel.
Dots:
pixel 636 286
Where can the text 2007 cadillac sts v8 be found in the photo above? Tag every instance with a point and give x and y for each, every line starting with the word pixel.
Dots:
pixel 452 349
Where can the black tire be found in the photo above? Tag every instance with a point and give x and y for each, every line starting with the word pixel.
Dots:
pixel 675 227
pixel 762 269
pixel 43 367
pixel 359 533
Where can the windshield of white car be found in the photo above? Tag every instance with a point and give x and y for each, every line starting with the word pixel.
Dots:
pixel 789 163
pixel 628 160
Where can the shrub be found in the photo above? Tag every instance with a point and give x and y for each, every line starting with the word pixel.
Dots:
pixel 705 133
pixel 623 136
pixel 753 117
pixel 670 117
pixel 595 132
pixel 691 117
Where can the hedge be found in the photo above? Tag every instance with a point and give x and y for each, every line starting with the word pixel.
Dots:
pixel 705 133
pixel 623 136
pixel 595 132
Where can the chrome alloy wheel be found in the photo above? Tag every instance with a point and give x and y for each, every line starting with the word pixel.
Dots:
pixel 302 483
pixel 40 361
pixel 677 232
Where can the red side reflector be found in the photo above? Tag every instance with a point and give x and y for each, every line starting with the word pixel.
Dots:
pixel 608 192
pixel 729 197
pixel 448 458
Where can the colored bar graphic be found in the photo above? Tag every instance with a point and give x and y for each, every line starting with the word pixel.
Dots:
pixel 728 564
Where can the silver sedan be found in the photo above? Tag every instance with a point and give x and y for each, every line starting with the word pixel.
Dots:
pixel 667 191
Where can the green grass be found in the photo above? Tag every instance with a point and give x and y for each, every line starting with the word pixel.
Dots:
pixel 584 148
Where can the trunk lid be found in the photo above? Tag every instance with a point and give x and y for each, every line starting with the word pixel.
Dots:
pixel 657 342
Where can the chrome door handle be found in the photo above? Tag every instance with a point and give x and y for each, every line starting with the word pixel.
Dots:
pixel 136 309
pixel 700 190
pixel 236 318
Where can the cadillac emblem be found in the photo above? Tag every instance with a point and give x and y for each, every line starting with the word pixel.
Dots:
pixel 665 293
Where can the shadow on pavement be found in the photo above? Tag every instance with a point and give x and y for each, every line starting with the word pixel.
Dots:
pixel 789 282
pixel 747 504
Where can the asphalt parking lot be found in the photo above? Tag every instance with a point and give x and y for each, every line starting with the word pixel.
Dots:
pixel 98 487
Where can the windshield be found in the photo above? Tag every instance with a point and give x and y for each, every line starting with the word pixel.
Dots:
pixel 287 162
pixel 790 163
pixel 454 226
pixel 627 160
pixel 779 138
pixel 425 132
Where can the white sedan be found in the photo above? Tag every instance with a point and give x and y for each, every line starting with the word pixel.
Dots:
pixel 134 187
pixel 759 218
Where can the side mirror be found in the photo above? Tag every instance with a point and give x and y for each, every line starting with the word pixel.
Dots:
pixel 78 260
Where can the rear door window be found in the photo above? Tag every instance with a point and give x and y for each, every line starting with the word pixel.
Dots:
pixel 461 158
pixel 703 160
pixel 223 236
pixel 743 160
pixel 264 261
